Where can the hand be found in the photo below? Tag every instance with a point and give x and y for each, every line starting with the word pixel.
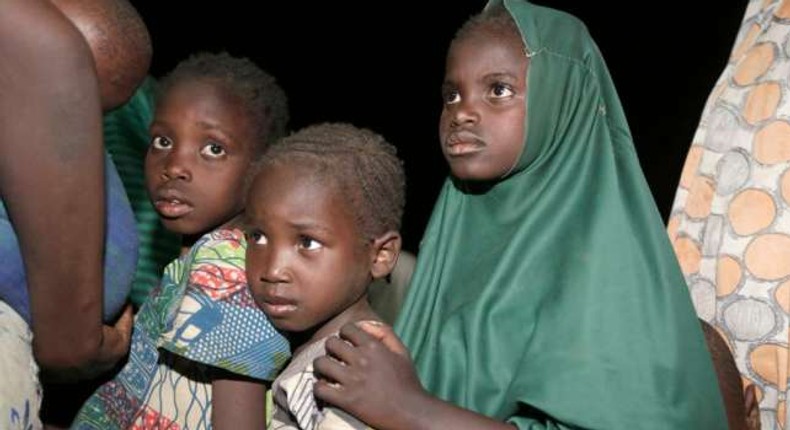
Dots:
pixel 114 346
pixel 115 341
pixel 367 372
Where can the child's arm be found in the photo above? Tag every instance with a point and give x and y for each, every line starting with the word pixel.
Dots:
pixel 237 403
pixel 376 382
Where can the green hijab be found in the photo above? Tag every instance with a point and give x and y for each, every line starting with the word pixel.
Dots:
pixel 554 300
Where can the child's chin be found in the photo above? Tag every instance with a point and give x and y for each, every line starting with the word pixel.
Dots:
pixel 181 226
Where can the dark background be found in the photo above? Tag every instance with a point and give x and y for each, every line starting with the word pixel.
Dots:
pixel 380 65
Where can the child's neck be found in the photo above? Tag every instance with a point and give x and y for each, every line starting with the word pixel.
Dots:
pixel 359 311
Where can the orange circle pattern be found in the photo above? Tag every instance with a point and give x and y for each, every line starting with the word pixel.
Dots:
pixel 729 222
pixel 751 211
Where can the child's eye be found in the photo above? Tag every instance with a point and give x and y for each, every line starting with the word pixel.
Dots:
pixel 257 237
pixel 501 91
pixel 161 142
pixel 309 244
pixel 213 150
pixel 451 97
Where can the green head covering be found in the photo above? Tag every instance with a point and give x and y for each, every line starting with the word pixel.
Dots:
pixel 554 299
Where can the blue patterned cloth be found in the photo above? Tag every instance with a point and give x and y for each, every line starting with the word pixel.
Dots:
pixel 204 317
pixel 120 257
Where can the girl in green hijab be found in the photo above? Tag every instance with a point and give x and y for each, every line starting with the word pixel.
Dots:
pixel 546 294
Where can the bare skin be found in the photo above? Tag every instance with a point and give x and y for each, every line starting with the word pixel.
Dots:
pixel 238 404
pixel 355 376
pixel 51 180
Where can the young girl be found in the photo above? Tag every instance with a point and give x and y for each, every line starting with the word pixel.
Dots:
pixel 322 224
pixel 215 115
pixel 546 294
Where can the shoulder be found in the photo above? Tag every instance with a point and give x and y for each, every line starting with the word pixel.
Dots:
pixel 220 242
pixel 36 32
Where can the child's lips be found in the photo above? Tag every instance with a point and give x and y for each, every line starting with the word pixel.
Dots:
pixel 172 208
pixel 463 142
pixel 277 307
pixel 171 203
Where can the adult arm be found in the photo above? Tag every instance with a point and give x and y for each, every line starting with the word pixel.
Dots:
pixel 51 180
pixel 373 379
pixel 237 403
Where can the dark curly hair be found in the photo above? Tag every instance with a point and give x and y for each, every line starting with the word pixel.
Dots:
pixel 263 99
pixel 361 163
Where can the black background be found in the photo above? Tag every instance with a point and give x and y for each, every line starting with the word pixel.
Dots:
pixel 380 65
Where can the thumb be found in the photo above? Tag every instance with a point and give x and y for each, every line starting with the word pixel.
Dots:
pixel 124 323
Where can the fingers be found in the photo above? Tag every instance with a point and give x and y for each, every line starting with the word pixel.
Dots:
pixel 340 349
pixel 355 335
pixel 125 321
pixel 376 329
pixel 331 371
pixel 330 393
pixel 116 338
pixel 384 334
pixel 330 387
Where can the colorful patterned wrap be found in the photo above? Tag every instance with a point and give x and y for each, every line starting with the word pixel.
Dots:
pixel 205 318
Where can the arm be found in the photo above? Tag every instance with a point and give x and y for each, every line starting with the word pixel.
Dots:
pixel 51 179
pixel 237 403
pixel 376 382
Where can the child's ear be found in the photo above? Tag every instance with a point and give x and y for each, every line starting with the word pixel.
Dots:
pixel 384 254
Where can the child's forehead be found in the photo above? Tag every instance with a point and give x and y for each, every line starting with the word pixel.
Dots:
pixel 484 36
pixel 209 98
pixel 304 175
pixel 299 170
pixel 297 183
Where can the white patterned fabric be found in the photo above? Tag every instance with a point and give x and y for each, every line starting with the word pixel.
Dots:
pixel 730 222
pixel 294 404
pixel 20 392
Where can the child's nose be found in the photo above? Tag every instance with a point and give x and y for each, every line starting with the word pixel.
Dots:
pixel 275 268
pixel 466 112
pixel 175 167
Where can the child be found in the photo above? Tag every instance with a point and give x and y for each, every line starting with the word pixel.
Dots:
pixel 322 223
pixel 546 294
pixel 215 115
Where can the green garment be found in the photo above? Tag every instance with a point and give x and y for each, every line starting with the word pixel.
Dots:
pixel 126 139
pixel 554 300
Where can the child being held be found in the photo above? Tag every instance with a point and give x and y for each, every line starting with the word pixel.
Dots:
pixel 201 350
pixel 322 220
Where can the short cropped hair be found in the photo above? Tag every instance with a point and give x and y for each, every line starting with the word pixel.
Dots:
pixel 360 162
pixel 258 91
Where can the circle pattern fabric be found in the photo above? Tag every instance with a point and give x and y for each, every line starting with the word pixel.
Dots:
pixel 730 221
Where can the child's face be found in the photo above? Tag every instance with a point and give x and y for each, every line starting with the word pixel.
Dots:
pixel 484 92
pixel 202 144
pixel 306 260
